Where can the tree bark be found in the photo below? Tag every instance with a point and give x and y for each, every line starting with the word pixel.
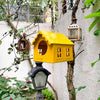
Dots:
pixel 70 72
pixel 74 10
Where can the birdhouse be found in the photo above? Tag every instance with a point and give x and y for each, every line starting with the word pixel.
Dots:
pixel 74 32
pixel 52 47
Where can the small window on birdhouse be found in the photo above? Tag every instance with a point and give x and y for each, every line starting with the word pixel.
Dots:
pixel 58 52
pixel 67 52
pixel 42 48
pixel 73 34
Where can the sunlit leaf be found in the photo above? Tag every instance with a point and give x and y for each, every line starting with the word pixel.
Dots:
pixel 12 2
pixel 31 90
pixel 12 96
pixel 72 91
pixel 97 32
pixel 93 24
pixel 20 31
pixel 97 14
pixel 88 2
pixel 98 98
pixel 0 42
pixel 81 87
pixel 92 64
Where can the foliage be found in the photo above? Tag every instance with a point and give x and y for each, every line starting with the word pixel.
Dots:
pixel 13 9
pixel 6 7
pixel 52 1
pixel 93 24
pixel 11 88
pixel 88 3
pixel 48 95
pixel 96 32
pixel 92 64
pixel 81 87
pixel 98 98
pixel 20 31
pixel 95 15
pixel 37 7
pixel 78 89
pixel 0 42
pixel 20 89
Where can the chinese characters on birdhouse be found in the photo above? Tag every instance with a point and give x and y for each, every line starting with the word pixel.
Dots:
pixel 52 47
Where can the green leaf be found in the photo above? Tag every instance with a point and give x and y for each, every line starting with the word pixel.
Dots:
pixel 7 98
pixel 97 14
pixel 88 2
pixel 20 98
pixel 0 42
pixel 92 64
pixel 97 32
pixel 98 98
pixel 12 96
pixel 81 87
pixel 93 24
pixel 13 78
pixel 20 31
pixel 5 95
pixel 98 10
pixel 72 92
pixel 31 90
pixel 10 49
pixel 9 52
pixel 12 1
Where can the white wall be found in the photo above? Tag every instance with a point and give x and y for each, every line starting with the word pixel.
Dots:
pixel 84 74
pixel 6 60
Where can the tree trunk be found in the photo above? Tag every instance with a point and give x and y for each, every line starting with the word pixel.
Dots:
pixel 70 72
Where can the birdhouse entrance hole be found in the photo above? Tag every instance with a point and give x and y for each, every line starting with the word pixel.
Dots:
pixel 42 48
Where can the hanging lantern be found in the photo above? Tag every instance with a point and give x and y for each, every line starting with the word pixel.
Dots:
pixel 74 32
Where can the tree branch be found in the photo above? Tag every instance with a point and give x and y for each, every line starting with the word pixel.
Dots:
pixel 53 90
pixel 8 16
pixel 70 70
pixel 78 54
pixel 8 20
pixel 8 7
pixel 74 10
pixel 79 47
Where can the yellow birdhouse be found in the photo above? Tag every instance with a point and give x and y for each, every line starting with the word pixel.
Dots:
pixel 52 47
